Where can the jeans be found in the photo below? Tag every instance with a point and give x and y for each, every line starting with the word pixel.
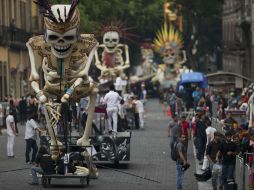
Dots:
pixel 173 140
pixel 215 177
pixel 34 171
pixel 228 172
pixel 179 176
pixel 31 144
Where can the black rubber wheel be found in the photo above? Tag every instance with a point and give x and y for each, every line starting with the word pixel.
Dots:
pixel 116 163
pixel 82 181
pixel 87 180
pixel 44 182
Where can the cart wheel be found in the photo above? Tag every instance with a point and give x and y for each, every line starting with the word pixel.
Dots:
pixel 49 181
pixel 88 180
pixel 44 182
pixel 82 181
pixel 116 163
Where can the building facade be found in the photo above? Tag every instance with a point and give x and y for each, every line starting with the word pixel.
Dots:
pixel 237 37
pixel 19 20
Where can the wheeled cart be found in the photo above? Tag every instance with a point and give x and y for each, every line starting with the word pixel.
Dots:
pixel 46 179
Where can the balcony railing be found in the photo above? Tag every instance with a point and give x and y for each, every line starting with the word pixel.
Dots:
pixel 13 36
pixel 246 11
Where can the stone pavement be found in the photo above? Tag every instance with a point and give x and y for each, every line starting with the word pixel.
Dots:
pixel 150 167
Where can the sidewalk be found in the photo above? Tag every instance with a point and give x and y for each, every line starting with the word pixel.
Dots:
pixel 207 185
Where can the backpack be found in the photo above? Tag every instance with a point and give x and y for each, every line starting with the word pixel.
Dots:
pixel 174 152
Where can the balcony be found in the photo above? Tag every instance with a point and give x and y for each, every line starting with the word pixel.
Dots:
pixel 36 25
pixel 245 18
pixel 14 37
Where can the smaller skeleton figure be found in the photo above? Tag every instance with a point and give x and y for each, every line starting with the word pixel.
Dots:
pixel 110 55
pixel 169 43
pixel 146 70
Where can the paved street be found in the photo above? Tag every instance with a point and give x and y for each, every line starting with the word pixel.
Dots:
pixel 150 159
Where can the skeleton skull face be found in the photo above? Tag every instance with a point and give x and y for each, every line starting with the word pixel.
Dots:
pixel 170 55
pixel 61 44
pixel 110 40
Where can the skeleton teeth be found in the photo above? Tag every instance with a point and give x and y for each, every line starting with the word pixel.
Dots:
pixel 57 47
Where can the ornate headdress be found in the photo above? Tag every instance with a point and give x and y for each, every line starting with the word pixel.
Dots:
pixel 168 36
pixel 119 27
pixel 60 18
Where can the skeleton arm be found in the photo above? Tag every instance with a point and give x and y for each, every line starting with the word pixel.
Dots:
pixel 97 60
pixel 127 61
pixel 34 77
pixel 80 76
pixel 126 64
pixel 184 58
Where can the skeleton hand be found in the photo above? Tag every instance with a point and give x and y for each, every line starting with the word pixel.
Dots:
pixel 41 97
pixel 67 95
pixel 65 98
pixel 97 63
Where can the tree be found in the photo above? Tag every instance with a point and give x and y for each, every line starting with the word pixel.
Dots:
pixel 147 18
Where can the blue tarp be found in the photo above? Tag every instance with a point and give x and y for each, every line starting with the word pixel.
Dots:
pixel 194 77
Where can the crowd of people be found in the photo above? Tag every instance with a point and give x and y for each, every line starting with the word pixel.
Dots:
pixel 216 151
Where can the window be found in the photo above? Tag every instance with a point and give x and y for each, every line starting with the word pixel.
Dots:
pixel 23 14
pixel 3 80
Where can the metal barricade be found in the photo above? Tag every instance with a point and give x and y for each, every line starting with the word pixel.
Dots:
pixel 240 169
pixel 218 125
pixel 249 171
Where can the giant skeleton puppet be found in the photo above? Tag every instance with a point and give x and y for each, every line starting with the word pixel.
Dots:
pixel 112 57
pixel 169 43
pixel 65 57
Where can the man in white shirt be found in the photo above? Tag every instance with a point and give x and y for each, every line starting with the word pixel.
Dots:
pixel 30 137
pixel 11 133
pixel 118 84
pixel 209 137
pixel 112 99
pixel 140 110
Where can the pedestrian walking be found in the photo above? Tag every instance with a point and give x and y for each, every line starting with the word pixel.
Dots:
pixel 13 110
pixel 185 129
pixel 23 110
pixel 11 134
pixel 140 111
pixel 181 162
pixel 31 137
pixel 174 130
pixel 209 137
pixel 211 153
pixel 112 100
pixel 228 153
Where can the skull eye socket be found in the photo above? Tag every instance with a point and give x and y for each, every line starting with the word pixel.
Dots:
pixel 107 40
pixel 53 37
pixel 114 40
pixel 68 38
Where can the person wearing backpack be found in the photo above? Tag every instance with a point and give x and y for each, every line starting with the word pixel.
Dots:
pixel 174 130
pixel 181 161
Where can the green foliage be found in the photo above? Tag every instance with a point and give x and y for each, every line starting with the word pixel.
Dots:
pixel 147 17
